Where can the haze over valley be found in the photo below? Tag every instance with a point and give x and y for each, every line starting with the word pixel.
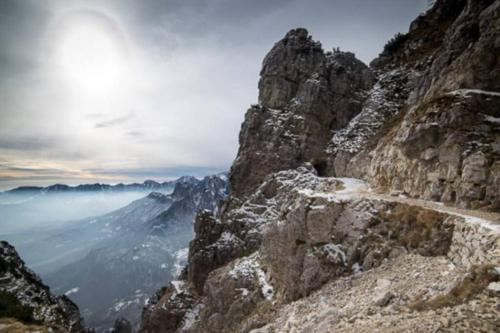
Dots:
pixel 108 248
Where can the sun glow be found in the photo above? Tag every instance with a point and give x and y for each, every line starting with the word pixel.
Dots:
pixel 91 57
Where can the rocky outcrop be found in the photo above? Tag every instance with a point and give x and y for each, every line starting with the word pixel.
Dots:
pixel 56 312
pixel 426 118
pixel 122 326
pixel 441 141
pixel 420 123
pixel 304 93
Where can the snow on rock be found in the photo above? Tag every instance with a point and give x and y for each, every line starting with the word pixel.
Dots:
pixel 178 285
pixel 228 239
pixel 356 268
pixel 72 291
pixel 191 317
pixel 180 260
pixel 493 120
pixel 244 291
pixel 466 92
pixel 348 189
pixel 334 253
pixel 381 105
pixel 250 267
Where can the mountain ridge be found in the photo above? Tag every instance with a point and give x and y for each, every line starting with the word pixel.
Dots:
pixel 111 263
pixel 147 185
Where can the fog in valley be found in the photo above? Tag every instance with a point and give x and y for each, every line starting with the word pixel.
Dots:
pixel 108 248
pixel 27 213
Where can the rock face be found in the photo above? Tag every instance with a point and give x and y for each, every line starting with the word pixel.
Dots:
pixel 421 124
pixel 304 94
pixel 56 312
pixel 441 140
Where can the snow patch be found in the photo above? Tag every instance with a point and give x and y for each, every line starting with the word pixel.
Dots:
pixel 493 120
pixel 465 92
pixel 381 105
pixel 334 253
pixel 180 260
pixel 356 268
pixel 351 189
pixel 250 268
pixel 178 286
pixel 191 317
pixel 244 291
pixel 72 291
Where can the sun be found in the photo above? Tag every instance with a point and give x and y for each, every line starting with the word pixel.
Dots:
pixel 91 56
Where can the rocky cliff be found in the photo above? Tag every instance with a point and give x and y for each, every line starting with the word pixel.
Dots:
pixel 440 140
pixel 35 301
pixel 304 94
pixel 336 221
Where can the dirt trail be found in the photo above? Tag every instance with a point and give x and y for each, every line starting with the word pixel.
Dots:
pixel 356 187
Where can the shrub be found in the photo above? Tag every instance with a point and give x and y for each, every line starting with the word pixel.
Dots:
pixel 395 43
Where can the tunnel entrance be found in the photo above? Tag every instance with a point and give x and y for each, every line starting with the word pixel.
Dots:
pixel 321 168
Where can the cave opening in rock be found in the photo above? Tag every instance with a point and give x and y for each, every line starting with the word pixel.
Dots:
pixel 321 168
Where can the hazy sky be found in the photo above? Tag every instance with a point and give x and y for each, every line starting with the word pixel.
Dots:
pixel 128 90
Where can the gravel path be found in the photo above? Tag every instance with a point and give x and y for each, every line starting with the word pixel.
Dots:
pixel 357 187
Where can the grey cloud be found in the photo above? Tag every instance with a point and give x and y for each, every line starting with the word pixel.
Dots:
pixel 113 121
pixel 5 167
pixel 198 64
pixel 135 134
pixel 26 143
pixel 160 173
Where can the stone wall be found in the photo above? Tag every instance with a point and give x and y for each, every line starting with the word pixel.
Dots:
pixel 473 245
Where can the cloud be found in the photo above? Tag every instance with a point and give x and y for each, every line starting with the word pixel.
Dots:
pixel 113 121
pixel 191 73
pixel 135 134
pixel 159 173
pixel 45 171
pixel 26 143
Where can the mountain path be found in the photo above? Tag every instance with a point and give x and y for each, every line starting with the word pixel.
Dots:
pixel 358 188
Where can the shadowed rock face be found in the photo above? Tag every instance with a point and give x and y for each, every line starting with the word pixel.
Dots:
pixel 304 93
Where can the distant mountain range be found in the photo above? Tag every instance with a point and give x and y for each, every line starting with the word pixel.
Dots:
pixel 148 185
pixel 111 264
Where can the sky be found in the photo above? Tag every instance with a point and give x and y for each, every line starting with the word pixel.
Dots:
pixel 124 90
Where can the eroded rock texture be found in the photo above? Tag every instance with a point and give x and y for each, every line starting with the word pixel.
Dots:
pixel 441 140
pixel 421 123
pixel 304 94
